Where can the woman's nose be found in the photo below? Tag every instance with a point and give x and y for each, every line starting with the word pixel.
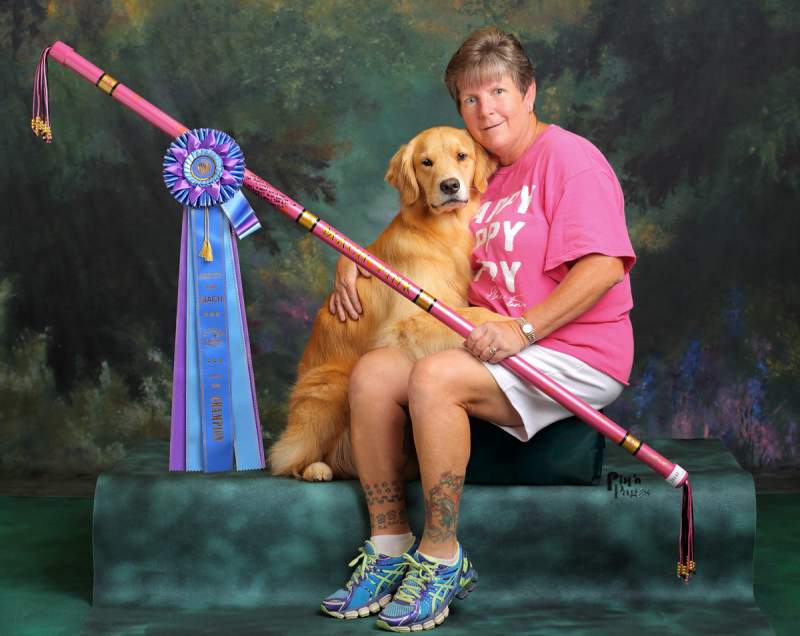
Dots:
pixel 485 108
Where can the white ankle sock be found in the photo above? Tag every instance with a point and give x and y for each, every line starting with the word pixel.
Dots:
pixel 392 544
pixel 451 561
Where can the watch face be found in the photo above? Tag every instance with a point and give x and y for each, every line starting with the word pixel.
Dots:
pixel 527 328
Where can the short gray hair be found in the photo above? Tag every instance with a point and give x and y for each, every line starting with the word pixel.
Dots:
pixel 488 54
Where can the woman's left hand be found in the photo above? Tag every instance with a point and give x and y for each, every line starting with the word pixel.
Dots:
pixel 494 341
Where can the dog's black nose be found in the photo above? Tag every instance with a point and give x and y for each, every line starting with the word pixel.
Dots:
pixel 449 186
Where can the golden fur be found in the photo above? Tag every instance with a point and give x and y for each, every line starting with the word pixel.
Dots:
pixel 429 242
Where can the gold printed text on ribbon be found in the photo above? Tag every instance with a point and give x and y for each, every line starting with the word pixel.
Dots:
pixel 424 300
pixel 107 84
pixel 217 423
pixel 630 443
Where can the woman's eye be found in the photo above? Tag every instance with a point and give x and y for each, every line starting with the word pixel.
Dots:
pixel 469 100
pixel 462 156
pixel 497 91
pixel 427 162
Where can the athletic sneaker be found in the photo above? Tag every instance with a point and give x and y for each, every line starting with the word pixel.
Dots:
pixel 423 600
pixel 371 585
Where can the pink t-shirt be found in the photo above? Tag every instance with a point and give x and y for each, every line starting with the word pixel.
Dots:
pixel 559 201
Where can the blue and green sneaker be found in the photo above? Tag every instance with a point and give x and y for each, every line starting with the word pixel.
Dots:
pixel 423 600
pixel 371 585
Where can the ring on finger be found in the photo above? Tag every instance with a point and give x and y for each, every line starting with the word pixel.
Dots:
pixel 492 351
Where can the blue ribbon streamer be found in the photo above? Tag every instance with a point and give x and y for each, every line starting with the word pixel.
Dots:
pixel 246 433
pixel 211 315
pixel 241 215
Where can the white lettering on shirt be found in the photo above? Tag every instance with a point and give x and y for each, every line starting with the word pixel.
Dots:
pixel 525 199
pixel 487 266
pixel 484 235
pixel 509 233
pixel 510 274
pixel 478 218
pixel 503 204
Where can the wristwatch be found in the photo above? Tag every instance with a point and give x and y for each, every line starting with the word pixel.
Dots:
pixel 527 329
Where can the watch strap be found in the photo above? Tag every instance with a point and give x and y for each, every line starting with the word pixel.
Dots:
pixel 531 333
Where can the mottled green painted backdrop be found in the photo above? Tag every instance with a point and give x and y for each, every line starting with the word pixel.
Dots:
pixel 693 101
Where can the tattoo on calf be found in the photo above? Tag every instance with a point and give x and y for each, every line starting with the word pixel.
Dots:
pixel 384 520
pixel 441 508
pixel 384 492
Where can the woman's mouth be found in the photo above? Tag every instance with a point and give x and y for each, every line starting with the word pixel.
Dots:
pixel 492 126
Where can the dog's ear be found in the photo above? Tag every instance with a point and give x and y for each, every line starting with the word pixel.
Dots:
pixel 484 168
pixel 401 174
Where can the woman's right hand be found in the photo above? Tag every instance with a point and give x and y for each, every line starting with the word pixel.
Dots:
pixel 344 301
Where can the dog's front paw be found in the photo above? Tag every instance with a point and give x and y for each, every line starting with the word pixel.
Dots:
pixel 318 471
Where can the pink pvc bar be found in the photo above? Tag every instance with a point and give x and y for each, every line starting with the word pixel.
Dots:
pixel 673 473
pixel 67 56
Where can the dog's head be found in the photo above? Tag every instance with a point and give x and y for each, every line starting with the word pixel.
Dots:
pixel 444 165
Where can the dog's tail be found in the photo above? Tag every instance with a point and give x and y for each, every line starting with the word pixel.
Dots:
pixel 318 422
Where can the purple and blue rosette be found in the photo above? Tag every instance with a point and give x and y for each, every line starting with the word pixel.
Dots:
pixel 215 423
pixel 204 168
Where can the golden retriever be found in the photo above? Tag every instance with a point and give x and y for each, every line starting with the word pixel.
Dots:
pixel 440 175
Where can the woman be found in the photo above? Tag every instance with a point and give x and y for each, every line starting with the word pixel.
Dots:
pixel 552 253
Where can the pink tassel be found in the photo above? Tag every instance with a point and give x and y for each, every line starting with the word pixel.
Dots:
pixel 40 117
pixel 686 564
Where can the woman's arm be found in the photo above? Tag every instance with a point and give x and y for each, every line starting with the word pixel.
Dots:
pixel 585 283
pixel 588 279
pixel 344 301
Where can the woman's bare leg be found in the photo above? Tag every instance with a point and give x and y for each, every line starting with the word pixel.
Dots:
pixel 444 390
pixel 378 391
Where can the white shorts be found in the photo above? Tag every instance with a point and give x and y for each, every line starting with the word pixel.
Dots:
pixel 538 410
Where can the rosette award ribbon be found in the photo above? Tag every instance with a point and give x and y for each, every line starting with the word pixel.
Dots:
pixel 215 424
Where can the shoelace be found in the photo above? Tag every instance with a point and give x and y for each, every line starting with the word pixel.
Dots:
pixel 417 576
pixel 364 561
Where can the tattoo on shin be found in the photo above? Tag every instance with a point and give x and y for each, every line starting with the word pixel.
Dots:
pixel 441 507
pixel 384 492
pixel 387 519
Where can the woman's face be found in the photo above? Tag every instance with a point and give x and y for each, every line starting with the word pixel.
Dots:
pixel 498 116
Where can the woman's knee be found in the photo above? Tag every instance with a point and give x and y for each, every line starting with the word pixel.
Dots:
pixel 381 374
pixel 435 377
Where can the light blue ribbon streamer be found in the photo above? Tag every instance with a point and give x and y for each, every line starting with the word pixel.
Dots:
pixel 241 415
pixel 241 215
pixel 209 405
pixel 214 357
pixel 247 437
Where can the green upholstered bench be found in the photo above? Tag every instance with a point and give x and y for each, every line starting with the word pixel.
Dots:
pixel 566 452
pixel 247 553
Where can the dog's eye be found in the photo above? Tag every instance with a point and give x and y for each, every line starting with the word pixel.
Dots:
pixel 427 162
pixel 462 156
